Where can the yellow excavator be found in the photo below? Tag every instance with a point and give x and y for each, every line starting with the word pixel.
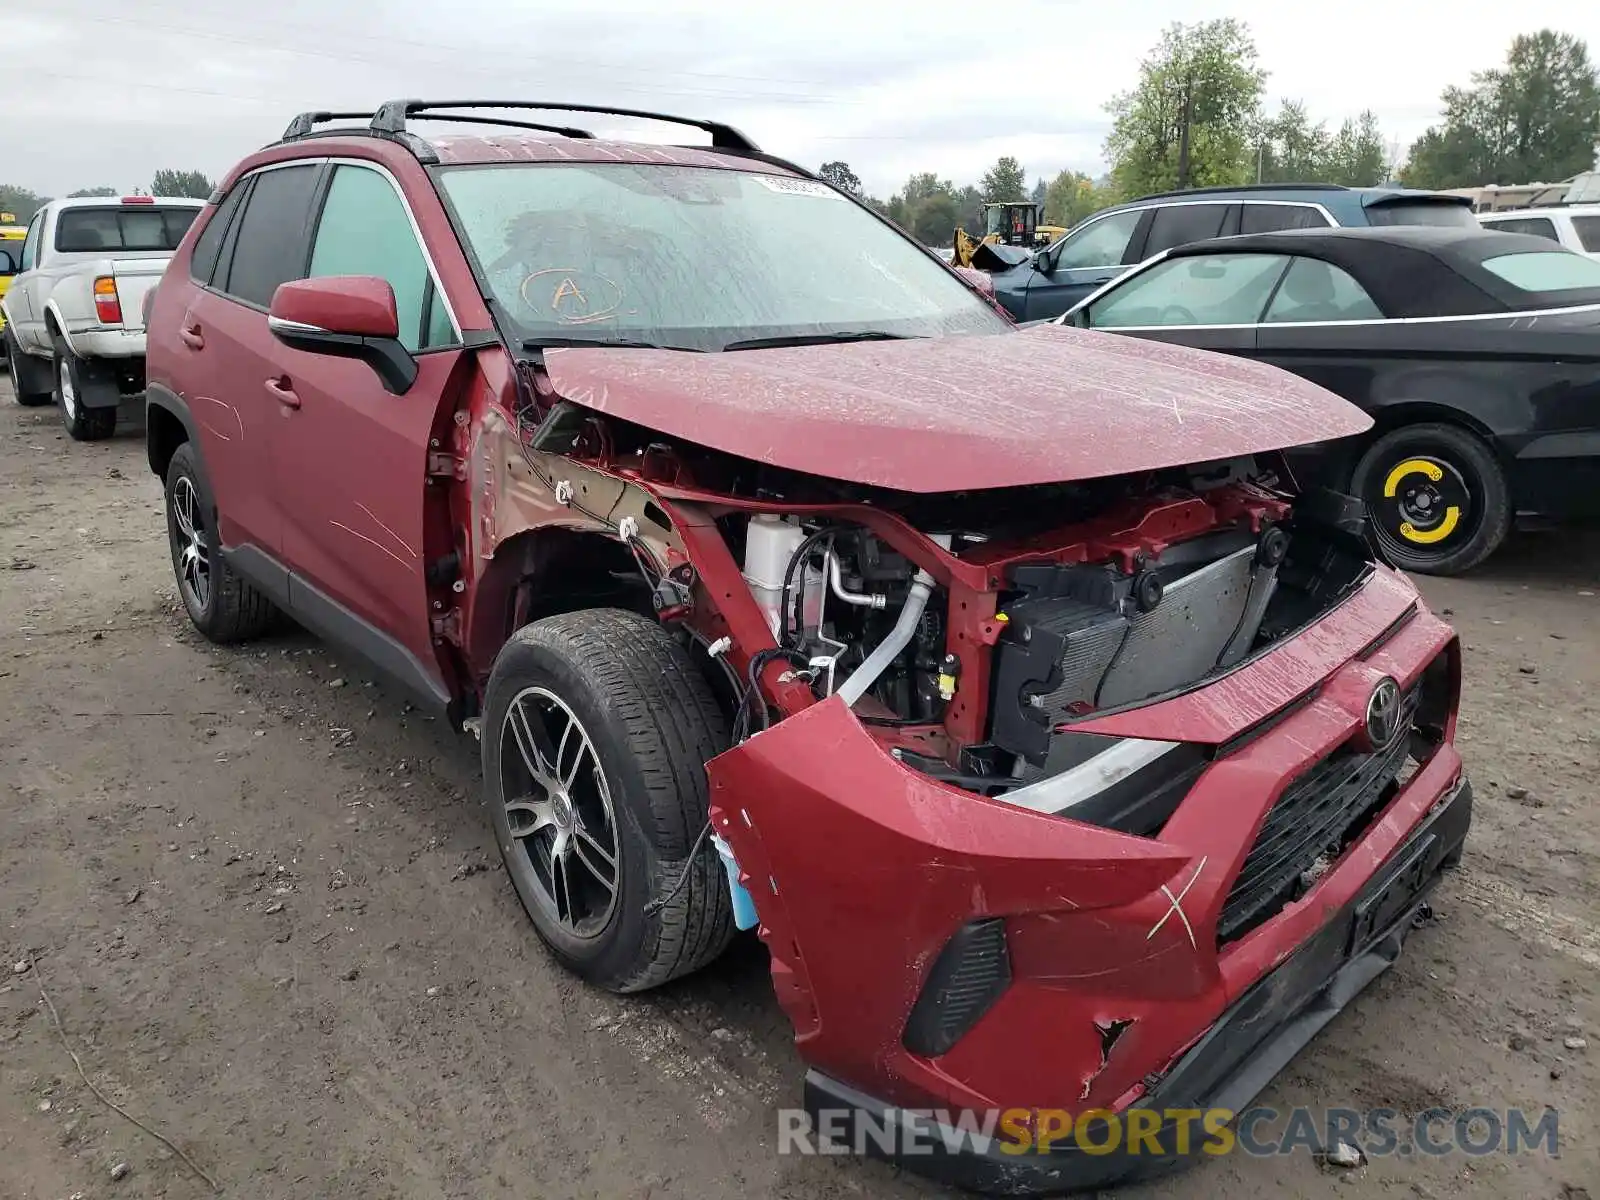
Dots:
pixel 1014 223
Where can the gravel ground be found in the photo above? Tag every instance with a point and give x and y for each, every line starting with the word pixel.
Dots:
pixel 262 896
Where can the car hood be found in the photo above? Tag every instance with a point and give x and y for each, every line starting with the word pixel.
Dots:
pixel 1047 404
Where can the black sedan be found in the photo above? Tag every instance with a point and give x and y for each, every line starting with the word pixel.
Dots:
pixel 1477 355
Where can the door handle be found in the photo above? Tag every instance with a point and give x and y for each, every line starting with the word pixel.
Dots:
pixel 283 392
pixel 192 337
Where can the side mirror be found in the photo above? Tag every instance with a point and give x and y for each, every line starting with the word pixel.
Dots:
pixel 980 281
pixel 1044 262
pixel 350 316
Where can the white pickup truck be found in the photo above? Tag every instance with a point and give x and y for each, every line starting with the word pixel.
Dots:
pixel 1575 226
pixel 74 329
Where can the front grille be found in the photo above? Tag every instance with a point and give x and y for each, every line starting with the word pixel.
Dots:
pixel 1317 816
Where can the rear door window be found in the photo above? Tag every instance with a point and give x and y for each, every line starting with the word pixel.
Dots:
pixel 208 247
pixel 1101 243
pixel 1180 224
pixel 122 229
pixel 270 245
pixel 1319 291
pixel 1270 218
pixel 1216 289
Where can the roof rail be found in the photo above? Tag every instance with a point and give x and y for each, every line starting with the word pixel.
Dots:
pixel 307 121
pixel 390 119
pixel 1249 187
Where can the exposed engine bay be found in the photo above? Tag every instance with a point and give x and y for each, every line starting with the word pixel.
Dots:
pixel 1073 631
pixel 969 632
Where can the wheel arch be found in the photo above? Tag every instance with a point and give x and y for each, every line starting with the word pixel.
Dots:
pixel 544 572
pixel 1401 413
pixel 168 425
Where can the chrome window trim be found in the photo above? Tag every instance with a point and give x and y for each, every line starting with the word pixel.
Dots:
pixel 1139 208
pixel 411 219
pixel 1133 272
pixel 416 232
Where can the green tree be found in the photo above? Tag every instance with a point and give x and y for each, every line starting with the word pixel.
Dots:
pixel 1357 156
pixel 971 209
pixel 1070 197
pixel 1537 118
pixel 842 177
pixel 936 218
pixel 20 202
pixel 94 191
pixel 1192 119
pixel 181 183
pixel 1293 149
pixel 1041 192
pixel 1004 182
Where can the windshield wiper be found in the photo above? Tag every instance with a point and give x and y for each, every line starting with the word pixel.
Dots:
pixel 564 343
pixel 819 339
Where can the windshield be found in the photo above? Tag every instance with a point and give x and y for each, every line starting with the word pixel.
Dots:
pixel 696 258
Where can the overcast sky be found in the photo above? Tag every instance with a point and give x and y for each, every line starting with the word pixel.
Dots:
pixel 103 92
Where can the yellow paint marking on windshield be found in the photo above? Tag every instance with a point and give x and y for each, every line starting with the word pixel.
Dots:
pixel 1411 466
pixel 1426 537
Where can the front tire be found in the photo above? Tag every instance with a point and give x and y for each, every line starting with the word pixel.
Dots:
pixel 221 605
pixel 596 731
pixel 1437 499
pixel 83 424
pixel 24 382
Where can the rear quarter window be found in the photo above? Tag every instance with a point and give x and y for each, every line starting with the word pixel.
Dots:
pixel 1550 272
pixel 1588 231
pixel 122 229
pixel 1533 226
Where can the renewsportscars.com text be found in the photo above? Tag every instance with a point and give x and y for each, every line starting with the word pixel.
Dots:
pixel 1258 1132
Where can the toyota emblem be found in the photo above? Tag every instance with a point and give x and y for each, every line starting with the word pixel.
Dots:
pixel 1383 713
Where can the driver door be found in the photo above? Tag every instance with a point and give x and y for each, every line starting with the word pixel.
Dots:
pixel 352 456
pixel 1092 255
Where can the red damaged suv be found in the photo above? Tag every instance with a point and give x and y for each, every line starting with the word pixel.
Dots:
pixel 1064 756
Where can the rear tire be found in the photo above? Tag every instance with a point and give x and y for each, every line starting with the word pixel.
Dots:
pixel 1437 498
pixel 221 605
pixel 616 687
pixel 83 424
pixel 24 376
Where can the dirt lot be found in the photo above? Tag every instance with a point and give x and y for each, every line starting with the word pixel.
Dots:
pixel 262 896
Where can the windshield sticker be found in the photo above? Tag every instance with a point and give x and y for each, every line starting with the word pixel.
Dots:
pixel 796 187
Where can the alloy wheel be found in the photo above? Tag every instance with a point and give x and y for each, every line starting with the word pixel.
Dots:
pixel 69 396
pixel 558 806
pixel 194 559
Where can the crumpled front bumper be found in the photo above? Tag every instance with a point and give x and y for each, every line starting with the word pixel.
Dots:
pixel 1226 1069
pixel 863 870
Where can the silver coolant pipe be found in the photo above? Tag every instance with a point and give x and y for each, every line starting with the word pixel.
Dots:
pixel 905 628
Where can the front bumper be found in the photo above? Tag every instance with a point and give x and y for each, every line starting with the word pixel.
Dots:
pixel 1226 1069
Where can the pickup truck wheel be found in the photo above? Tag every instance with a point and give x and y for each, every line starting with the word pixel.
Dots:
pixel 222 606
pixel 596 730
pixel 25 372
pixel 83 424
pixel 1437 499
